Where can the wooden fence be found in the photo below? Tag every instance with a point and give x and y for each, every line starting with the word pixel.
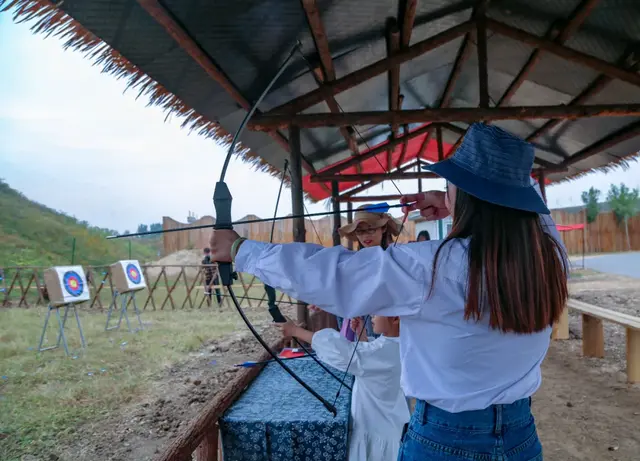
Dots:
pixel 168 287
pixel 604 235
pixel 317 231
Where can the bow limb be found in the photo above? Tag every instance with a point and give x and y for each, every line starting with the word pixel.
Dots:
pixel 222 200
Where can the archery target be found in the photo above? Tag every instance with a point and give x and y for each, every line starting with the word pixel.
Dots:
pixel 127 276
pixel 66 284
pixel 72 283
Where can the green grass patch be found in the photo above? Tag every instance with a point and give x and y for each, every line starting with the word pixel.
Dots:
pixel 45 396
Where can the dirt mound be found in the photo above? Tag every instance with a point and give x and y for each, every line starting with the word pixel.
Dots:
pixel 177 259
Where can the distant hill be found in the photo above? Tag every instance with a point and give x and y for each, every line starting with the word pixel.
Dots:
pixel 32 234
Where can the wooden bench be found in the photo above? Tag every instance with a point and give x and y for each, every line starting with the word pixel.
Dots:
pixel 593 333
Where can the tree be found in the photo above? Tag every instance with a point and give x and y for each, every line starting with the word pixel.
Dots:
pixel 624 203
pixel 143 228
pixel 156 226
pixel 592 208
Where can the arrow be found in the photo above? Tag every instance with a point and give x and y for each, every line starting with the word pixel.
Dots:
pixel 376 208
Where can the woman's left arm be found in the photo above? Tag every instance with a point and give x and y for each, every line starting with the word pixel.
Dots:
pixel 350 284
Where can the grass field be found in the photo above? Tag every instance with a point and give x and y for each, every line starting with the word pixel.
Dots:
pixel 45 396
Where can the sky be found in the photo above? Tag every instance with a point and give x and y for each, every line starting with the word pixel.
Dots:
pixel 73 139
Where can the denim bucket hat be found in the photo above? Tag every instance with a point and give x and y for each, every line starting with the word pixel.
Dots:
pixel 495 166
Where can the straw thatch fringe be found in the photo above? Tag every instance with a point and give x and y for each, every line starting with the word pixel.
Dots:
pixel 622 162
pixel 53 22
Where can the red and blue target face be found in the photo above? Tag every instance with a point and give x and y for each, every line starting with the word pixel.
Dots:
pixel 72 283
pixel 133 274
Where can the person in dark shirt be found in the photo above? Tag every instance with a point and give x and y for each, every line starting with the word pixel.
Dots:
pixel 210 277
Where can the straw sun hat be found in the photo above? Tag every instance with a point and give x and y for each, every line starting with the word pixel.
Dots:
pixel 375 220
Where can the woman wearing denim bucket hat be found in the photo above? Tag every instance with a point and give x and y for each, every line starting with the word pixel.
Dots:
pixel 476 309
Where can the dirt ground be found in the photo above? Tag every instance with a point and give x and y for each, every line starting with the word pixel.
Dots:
pixel 585 411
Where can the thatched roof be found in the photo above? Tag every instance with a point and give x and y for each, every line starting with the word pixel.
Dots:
pixel 206 61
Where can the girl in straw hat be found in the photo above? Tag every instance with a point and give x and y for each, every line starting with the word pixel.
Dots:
pixel 476 309
pixel 368 229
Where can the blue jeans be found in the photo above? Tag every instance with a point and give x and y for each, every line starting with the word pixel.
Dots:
pixel 498 433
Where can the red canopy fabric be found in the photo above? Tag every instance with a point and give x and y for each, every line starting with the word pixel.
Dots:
pixel 569 227
pixel 371 165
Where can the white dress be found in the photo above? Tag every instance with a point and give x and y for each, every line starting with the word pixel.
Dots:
pixel 379 409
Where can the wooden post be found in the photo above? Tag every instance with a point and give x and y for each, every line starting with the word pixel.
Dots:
pixel 542 177
pixel 592 337
pixel 561 327
pixel 208 448
pixel 335 194
pixel 349 221
pixel 297 202
pixel 633 355
pixel 418 166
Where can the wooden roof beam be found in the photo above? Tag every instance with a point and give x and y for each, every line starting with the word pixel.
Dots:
pixel 462 56
pixel 425 144
pixel 321 177
pixel 378 150
pixel 464 52
pixel 577 17
pixel 624 134
pixel 469 115
pixel 165 19
pixel 366 73
pixel 393 46
pixel 327 72
pixel 407 16
pixel 371 198
pixel 370 184
pixel 481 43
pixel 405 146
pixel 604 67
pixel 593 89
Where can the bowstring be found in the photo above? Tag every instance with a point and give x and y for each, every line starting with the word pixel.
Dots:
pixel 273 226
pixel 395 243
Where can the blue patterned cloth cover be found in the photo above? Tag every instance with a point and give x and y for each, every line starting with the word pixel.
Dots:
pixel 276 419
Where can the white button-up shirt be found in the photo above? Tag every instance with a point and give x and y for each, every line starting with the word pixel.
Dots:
pixel 378 407
pixel 451 363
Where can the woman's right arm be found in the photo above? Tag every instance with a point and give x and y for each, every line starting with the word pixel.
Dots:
pixel 390 282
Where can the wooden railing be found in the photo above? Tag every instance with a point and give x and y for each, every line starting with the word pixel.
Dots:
pixel 168 287
pixel 593 333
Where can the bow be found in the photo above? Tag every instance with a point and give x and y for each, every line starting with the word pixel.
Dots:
pixel 222 200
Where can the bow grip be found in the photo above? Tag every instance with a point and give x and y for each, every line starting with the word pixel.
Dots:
pixel 222 202
pixel 274 311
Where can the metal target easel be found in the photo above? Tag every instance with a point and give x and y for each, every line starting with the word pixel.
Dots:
pixel 61 325
pixel 124 301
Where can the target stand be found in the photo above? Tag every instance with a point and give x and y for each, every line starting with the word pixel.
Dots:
pixel 67 287
pixel 124 301
pixel 127 278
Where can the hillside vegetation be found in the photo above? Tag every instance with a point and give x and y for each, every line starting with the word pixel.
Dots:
pixel 32 234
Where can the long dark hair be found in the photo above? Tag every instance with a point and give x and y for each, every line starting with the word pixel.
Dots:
pixel 517 271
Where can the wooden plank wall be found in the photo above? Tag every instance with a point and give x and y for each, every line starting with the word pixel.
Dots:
pixel 195 239
pixel 604 235
pixel 283 233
